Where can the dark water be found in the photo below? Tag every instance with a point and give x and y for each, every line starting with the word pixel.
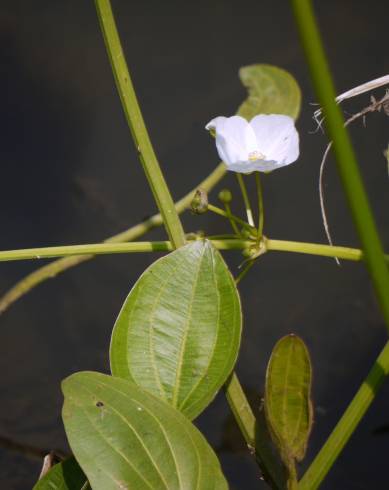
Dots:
pixel 70 175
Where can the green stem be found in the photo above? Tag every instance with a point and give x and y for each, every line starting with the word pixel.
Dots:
pixel 241 409
pixel 347 424
pixel 322 250
pixel 246 200
pixel 231 220
pixel 254 430
pixel 245 270
pixel 137 126
pixel 363 219
pixel 58 266
pixel 346 160
pixel 260 206
pixel 227 215
pixel 108 248
pixel 346 253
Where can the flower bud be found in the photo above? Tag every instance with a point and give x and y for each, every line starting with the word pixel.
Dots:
pixel 225 196
pixel 199 204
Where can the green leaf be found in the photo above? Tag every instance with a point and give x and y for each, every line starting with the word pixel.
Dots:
pixel 288 405
pixel 272 90
pixel 126 438
pixel 178 333
pixel 64 476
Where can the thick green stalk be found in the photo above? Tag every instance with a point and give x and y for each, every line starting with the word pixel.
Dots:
pixel 364 222
pixel 241 409
pixel 254 430
pixel 255 434
pixel 137 126
pixel 347 424
pixel 346 160
pixel 58 266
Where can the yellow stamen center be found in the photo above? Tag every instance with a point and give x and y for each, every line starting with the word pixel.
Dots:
pixel 256 155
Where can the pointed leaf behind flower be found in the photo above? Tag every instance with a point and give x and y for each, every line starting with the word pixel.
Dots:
pixel 288 405
pixel 178 333
pixel 126 438
pixel 272 90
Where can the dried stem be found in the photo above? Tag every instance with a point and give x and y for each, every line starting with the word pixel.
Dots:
pixel 375 106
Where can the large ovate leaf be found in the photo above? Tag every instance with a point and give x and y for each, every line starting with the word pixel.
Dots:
pixel 288 405
pixel 125 438
pixel 66 475
pixel 271 90
pixel 178 333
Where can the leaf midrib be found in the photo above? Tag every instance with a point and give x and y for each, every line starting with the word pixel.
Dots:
pixel 187 323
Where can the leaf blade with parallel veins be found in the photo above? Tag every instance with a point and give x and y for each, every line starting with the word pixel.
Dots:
pixel 124 437
pixel 178 333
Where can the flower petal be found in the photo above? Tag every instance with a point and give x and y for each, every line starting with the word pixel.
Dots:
pixel 235 139
pixel 277 138
pixel 250 166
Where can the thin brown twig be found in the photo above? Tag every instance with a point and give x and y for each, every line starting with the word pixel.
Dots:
pixel 48 462
pixel 29 450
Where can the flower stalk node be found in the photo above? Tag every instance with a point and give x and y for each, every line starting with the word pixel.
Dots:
pixel 256 249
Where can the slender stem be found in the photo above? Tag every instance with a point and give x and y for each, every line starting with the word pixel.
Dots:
pixel 231 220
pixel 346 253
pixel 109 248
pixel 347 424
pixel 245 270
pixel 227 215
pixel 58 266
pixel 246 200
pixel 28 450
pixel 346 160
pixel 137 126
pixel 314 249
pixel 228 236
pixel 261 216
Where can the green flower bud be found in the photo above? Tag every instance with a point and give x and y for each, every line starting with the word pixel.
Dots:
pixel 225 196
pixel 199 204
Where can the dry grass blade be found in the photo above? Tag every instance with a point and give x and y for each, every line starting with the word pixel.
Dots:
pixel 374 106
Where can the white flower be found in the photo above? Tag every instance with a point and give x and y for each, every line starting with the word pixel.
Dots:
pixel 267 142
